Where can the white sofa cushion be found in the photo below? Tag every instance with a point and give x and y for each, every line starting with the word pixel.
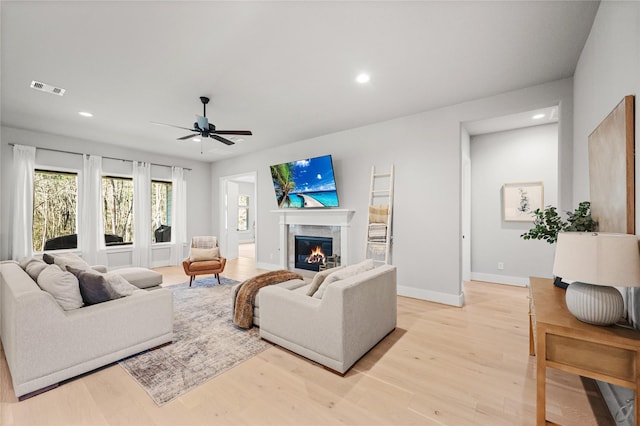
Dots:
pixel 63 286
pixel 348 271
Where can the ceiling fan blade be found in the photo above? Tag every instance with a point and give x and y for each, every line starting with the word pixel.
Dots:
pixel 171 125
pixel 188 136
pixel 234 132
pixel 221 139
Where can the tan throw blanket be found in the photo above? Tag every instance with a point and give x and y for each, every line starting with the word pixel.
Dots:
pixel 243 314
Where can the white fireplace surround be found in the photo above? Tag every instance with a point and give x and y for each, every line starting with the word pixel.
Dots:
pixel 315 217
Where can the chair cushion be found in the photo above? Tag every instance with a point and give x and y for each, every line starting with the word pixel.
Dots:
pixel 204 254
pixel 206 265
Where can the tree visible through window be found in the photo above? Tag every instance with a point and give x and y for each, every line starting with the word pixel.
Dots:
pixel 160 211
pixel 243 213
pixel 55 199
pixel 117 196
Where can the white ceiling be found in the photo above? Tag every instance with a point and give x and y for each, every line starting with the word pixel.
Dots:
pixel 284 70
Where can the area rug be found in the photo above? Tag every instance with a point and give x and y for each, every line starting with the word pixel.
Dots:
pixel 205 342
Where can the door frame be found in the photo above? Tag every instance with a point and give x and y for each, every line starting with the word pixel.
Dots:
pixel 252 177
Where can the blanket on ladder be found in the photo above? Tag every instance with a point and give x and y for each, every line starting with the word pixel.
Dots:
pixel 246 296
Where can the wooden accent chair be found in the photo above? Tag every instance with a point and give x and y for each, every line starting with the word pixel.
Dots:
pixel 196 265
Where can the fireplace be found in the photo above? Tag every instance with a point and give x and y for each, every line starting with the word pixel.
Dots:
pixel 311 252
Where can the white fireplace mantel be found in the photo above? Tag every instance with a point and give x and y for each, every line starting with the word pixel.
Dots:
pixel 317 217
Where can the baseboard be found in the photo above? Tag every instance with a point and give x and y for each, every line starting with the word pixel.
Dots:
pixel 500 279
pixel 431 296
pixel 268 266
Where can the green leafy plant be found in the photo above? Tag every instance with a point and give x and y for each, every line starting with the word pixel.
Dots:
pixel 548 223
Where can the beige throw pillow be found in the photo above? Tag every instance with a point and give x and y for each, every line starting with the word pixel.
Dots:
pixel 63 286
pixel 203 254
pixel 342 274
pixel 70 259
pixel 319 278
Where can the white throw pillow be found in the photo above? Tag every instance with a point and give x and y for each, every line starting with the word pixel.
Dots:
pixel 63 286
pixel 70 259
pixel 204 254
pixel 319 278
pixel 119 284
pixel 347 272
pixel 34 267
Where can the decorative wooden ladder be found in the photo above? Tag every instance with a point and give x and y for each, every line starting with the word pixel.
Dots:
pixel 379 237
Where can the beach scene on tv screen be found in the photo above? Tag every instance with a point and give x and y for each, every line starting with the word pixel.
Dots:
pixel 305 183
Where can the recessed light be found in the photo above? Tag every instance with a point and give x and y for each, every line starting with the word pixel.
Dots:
pixel 85 114
pixel 363 78
pixel 538 116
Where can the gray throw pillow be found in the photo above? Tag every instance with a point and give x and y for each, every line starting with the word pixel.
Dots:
pixel 63 286
pixel 94 287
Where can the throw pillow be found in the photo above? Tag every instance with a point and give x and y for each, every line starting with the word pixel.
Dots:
pixel 378 214
pixel 342 274
pixel 70 259
pixel 34 267
pixel 204 254
pixel 94 287
pixel 319 279
pixel 63 286
pixel 120 285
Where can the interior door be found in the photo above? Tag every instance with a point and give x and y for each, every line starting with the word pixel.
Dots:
pixel 231 225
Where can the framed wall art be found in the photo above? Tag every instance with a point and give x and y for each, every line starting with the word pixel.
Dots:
pixel 612 170
pixel 521 199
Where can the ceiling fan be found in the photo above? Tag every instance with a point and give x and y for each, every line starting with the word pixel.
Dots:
pixel 204 129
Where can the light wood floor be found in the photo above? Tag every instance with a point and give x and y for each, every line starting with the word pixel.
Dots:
pixel 441 366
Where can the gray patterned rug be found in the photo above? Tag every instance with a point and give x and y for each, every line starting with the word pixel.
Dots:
pixel 205 343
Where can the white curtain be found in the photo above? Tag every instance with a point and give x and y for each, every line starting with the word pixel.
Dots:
pixel 90 217
pixel 24 161
pixel 178 215
pixel 141 214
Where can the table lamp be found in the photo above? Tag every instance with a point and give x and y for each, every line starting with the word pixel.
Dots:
pixel 596 262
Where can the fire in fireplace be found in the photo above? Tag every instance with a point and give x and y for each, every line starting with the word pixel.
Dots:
pixel 311 252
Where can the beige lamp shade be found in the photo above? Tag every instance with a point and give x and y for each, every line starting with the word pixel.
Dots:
pixel 604 259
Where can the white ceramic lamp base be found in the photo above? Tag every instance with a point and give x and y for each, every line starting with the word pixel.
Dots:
pixel 594 304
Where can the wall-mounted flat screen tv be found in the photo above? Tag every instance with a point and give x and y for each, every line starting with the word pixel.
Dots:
pixel 305 183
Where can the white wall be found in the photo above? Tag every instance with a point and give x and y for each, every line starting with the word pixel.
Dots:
pixel 246 188
pixel 522 155
pixel 608 70
pixel 425 149
pixel 198 183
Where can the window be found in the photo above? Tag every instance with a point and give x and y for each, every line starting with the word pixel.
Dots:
pixel 243 213
pixel 160 211
pixel 55 200
pixel 117 196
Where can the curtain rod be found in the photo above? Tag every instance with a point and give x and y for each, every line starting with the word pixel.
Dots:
pixel 109 158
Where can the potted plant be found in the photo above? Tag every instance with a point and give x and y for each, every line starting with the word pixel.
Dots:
pixel 548 223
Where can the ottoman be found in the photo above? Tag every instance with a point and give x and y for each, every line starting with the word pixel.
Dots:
pixel 141 277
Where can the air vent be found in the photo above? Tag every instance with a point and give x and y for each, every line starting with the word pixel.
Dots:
pixel 44 87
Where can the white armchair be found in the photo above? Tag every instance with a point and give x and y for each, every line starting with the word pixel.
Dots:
pixel 336 331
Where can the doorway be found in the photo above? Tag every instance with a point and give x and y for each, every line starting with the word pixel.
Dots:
pixel 238 218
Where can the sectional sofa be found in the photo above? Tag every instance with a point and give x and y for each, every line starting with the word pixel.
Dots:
pixel 45 344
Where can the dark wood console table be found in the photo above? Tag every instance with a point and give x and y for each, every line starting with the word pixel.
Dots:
pixel 561 341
